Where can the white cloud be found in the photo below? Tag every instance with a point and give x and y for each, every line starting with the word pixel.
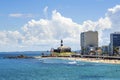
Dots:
pixel 45 10
pixel 50 31
pixel 20 15
pixel 10 38
pixel 114 9
pixel 60 27
pixel 16 15
pixel 114 16
pixel 46 33
pixel 100 25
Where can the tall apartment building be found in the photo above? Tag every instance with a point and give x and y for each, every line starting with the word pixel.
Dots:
pixel 89 41
pixel 115 43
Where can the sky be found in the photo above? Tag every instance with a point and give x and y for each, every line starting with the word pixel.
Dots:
pixel 39 25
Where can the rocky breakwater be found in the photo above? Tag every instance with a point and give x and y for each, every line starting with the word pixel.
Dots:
pixel 18 57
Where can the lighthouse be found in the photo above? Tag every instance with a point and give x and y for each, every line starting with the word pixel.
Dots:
pixel 62 48
pixel 61 43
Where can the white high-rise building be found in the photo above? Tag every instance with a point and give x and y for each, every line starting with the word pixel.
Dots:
pixel 89 41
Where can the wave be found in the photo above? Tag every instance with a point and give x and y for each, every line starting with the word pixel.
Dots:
pixel 72 62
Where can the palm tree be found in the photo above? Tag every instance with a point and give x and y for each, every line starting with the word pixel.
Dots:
pixel 116 51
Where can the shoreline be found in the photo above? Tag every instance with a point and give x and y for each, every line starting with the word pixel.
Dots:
pixel 94 60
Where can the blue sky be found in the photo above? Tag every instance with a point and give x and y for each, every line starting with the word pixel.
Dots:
pixel 14 14
pixel 79 10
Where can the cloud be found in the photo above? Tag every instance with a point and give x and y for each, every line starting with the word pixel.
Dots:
pixel 46 33
pixel 114 9
pixel 59 27
pixel 55 29
pixel 20 15
pixel 10 38
pixel 45 11
pixel 114 16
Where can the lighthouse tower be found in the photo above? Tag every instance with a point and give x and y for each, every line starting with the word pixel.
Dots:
pixel 61 43
pixel 62 48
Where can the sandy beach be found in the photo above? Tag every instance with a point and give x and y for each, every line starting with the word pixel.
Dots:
pixel 96 60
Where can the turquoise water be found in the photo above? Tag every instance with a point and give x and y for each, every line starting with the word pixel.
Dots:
pixel 56 69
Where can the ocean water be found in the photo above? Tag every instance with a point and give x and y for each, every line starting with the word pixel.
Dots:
pixel 56 69
pixel 26 53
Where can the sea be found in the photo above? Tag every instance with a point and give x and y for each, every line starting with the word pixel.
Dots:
pixel 54 69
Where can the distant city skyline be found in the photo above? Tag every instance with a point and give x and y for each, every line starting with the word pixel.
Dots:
pixel 39 25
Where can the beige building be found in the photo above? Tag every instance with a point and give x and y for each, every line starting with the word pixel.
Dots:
pixel 89 41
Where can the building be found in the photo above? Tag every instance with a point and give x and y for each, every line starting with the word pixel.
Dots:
pixel 115 43
pixel 89 42
pixel 62 48
pixel 99 51
pixel 105 50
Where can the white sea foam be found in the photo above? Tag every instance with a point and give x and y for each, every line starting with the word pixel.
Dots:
pixel 72 62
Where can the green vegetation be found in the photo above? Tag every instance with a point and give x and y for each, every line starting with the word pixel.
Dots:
pixel 63 54
pixel 116 51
